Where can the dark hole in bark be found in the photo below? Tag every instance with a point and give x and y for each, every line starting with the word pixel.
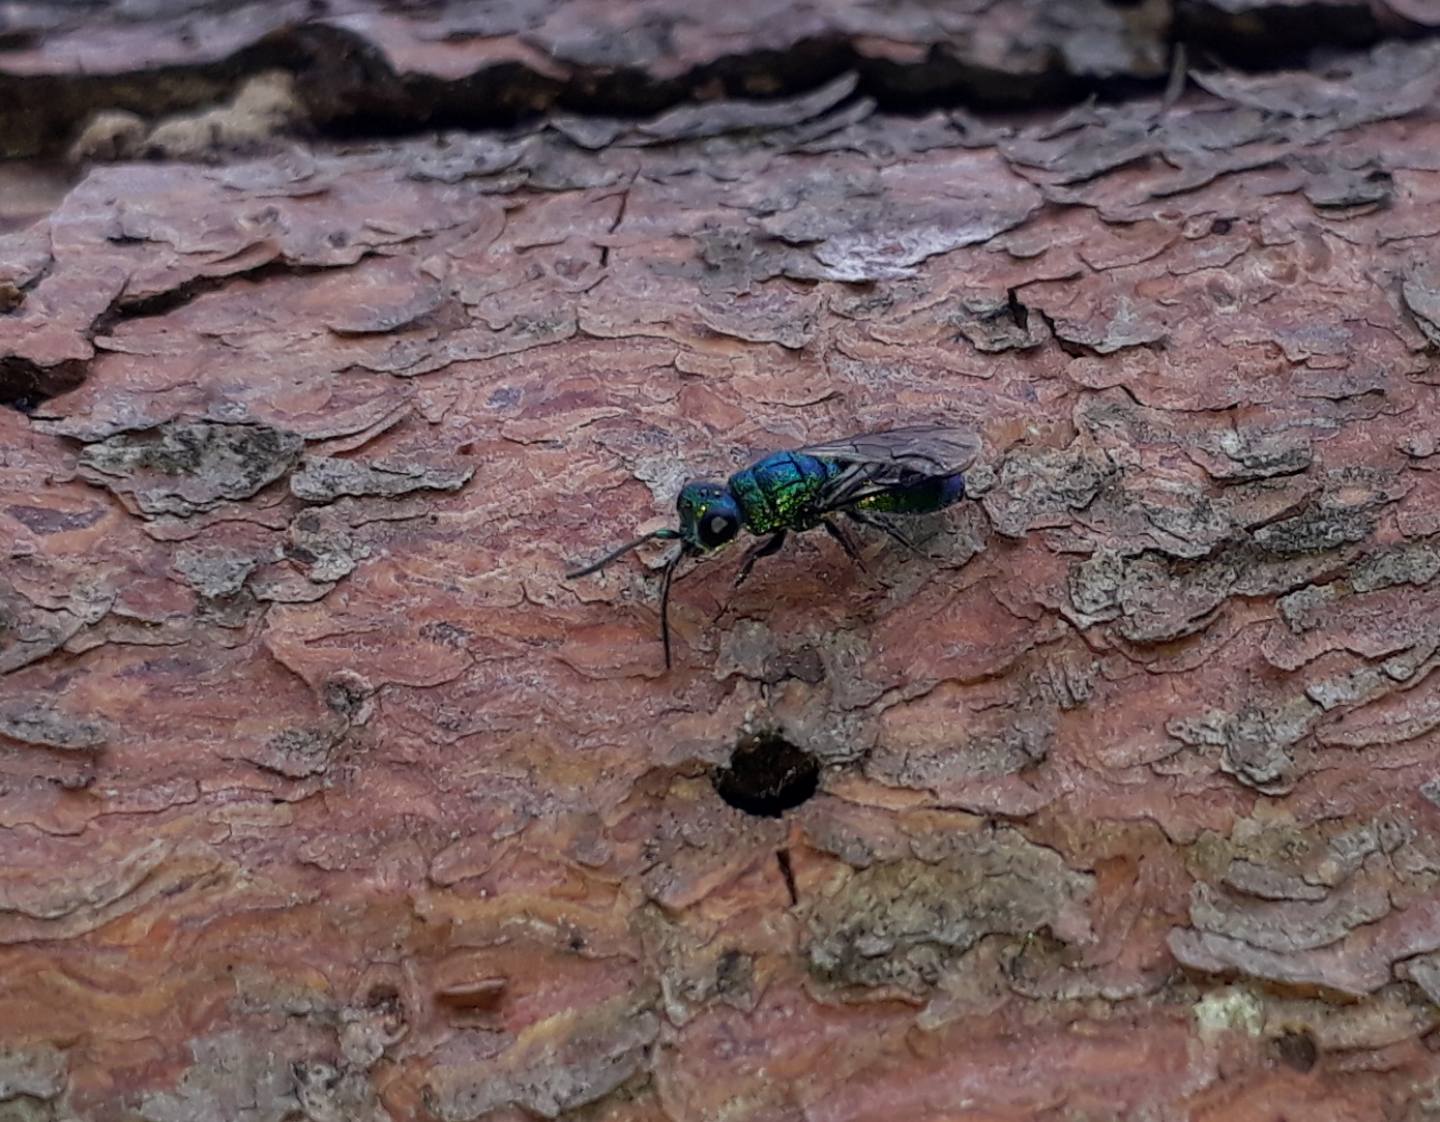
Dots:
pixel 1297 1050
pixel 25 386
pixel 767 776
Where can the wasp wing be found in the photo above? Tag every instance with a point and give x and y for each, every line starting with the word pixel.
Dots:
pixel 921 449
pixel 879 461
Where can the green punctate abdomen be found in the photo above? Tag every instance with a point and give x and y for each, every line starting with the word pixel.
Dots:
pixel 780 491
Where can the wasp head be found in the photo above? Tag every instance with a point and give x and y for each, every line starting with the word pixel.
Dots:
pixel 709 516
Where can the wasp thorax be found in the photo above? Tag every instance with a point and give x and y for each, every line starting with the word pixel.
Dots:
pixel 709 516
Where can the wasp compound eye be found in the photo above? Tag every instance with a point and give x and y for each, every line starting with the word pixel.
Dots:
pixel 717 528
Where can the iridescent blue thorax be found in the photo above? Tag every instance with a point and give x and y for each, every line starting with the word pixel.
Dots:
pixel 781 491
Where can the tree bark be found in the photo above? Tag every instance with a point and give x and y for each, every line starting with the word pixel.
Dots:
pixel 324 794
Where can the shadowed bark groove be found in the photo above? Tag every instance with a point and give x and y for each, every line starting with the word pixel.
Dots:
pixel 368 66
pixel 323 794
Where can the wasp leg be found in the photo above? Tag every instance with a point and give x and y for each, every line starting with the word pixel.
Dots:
pixel 845 543
pixel 757 551
pixel 885 527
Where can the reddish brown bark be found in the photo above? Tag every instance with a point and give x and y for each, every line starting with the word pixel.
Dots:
pixel 324 795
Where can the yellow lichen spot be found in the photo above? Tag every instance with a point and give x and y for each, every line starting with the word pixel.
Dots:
pixel 1231 1008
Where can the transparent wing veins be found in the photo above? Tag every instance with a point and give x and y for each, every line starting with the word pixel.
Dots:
pixel 922 449
pixel 881 461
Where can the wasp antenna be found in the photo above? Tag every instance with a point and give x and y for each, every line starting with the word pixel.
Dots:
pixel 616 554
pixel 665 603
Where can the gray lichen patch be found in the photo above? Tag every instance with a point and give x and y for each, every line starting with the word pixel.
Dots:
pixel 954 737
pixel 231 1077
pixel 1305 609
pixel 1250 455
pixel 44 725
pixel 318 550
pixel 1290 925
pixel 215 573
pixel 1268 883
pixel 902 924
pixel 1422 297
pixel 29 632
pixel 1315 531
pixel 1424 971
pixel 1258 743
pixel 1044 487
pixel 853 234
pixel 325 479
pixel 326 554
pixel 695 970
pixel 1345 512
pixel 37 1072
pixel 558 1065
pixel 1368 683
pixel 1292 906
pixel 296 753
pixel 1415 563
pixel 1241 452
pixel 997 323
pixel 1124 324
pixel 185 467
pixel 1155 597
pixel 327 1093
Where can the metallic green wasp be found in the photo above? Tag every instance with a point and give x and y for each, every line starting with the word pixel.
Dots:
pixel 903 471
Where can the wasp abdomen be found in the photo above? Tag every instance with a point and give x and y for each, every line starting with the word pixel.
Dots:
pixel 927 494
